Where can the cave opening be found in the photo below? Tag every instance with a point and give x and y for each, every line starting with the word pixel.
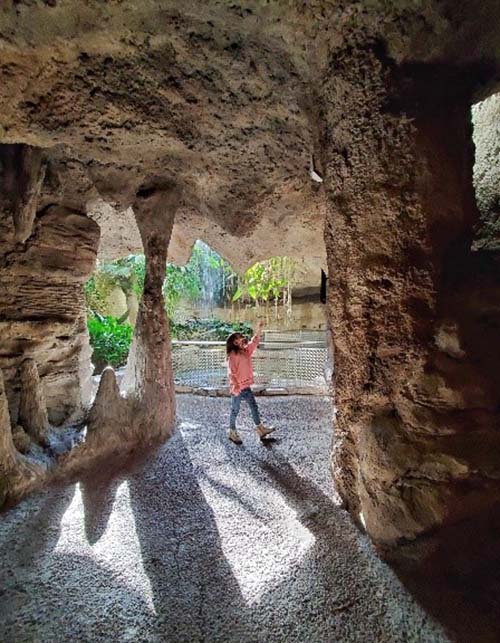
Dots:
pixel 339 136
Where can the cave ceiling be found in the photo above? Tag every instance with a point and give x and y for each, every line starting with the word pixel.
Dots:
pixel 224 98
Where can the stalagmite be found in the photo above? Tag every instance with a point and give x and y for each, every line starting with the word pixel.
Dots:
pixel 32 408
pixel 108 417
pixel 7 449
pixel 17 474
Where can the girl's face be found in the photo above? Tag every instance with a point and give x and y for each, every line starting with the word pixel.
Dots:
pixel 241 341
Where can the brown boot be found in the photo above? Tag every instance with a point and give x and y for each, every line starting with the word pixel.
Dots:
pixel 234 437
pixel 262 430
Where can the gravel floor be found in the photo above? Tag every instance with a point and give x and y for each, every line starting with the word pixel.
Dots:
pixel 207 542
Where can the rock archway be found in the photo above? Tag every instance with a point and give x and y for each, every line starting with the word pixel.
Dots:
pixel 276 124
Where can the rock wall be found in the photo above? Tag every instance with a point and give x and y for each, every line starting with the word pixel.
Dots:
pixel 486 119
pixel 414 309
pixel 259 111
pixel 42 303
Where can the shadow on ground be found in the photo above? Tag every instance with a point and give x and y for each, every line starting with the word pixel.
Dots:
pixel 205 541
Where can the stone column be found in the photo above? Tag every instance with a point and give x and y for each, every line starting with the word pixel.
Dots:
pixel 411 306
pixel 23 172
pixel 149 369
pixel 17 473
pixel 32 408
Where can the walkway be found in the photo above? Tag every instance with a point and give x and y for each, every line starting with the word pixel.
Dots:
pixel 210 542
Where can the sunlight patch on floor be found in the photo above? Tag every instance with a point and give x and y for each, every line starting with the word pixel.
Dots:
pixel 118 535
pixel 261 553
pixel 261 536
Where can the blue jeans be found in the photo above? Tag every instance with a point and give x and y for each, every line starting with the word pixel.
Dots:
pixel 247 395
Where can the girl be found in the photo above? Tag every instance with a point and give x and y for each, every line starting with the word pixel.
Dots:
pixel 240 373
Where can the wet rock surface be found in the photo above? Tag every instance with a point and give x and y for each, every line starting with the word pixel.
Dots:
pixel 208 542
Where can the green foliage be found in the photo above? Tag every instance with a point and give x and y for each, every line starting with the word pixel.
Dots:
pixel 266 281
pixel 95 295
pixel 181 282
pixel 110 341
pixel 206 277
pixel 208 329
pixel 127 273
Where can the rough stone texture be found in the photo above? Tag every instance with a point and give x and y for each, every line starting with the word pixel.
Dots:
pixel 109 417
pixel 486 118
pixel 208 542
pixel 23 173
pixel 231 101
pixel 21 439
pixel 201 91
pixel 148 377
pixel 18 475
pixel 414 311
pixel 42 304
pixel 32 408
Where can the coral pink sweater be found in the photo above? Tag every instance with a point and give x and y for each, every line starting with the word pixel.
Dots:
pixel 239 367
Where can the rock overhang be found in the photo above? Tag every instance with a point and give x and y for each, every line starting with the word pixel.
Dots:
pixel 220 97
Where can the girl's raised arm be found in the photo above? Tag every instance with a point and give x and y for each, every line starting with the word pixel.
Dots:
pixel 256 338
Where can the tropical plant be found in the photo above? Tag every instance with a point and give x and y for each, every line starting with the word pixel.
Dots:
pixel 127 273
pixel 268 281
pixel 95 295
pixel 110 341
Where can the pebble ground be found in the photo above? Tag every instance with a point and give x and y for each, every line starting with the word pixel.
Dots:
pixel 206 542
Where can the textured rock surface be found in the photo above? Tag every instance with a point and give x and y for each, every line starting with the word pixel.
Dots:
pixel 18 475
pixel 231 102
pixel 200 94
pixel 21 439
pixel 32 407
pixel 486 119
pixel 414 310
pixel 110 414
pixel 43 307
pixel 148 377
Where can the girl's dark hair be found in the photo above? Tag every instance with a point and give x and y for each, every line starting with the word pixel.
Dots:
pixel 231 346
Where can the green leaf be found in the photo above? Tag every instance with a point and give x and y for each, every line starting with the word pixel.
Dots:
pixel 238 294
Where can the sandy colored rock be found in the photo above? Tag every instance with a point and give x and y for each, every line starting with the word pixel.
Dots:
pixel 32 410
pixel 18 475
pixel 149 377
pixel 43 307
pixel 485 117
pixel 110 416
pixel 21 439
pixel 231 102
pixel 414 361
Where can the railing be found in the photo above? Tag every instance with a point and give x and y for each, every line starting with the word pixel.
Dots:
pixel 281 363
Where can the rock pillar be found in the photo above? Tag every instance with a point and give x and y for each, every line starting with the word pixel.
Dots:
pixel 412 307
pixel 43 313
pixel 23 173
pixel 17 474
pixel 149 369
pixel 32 409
